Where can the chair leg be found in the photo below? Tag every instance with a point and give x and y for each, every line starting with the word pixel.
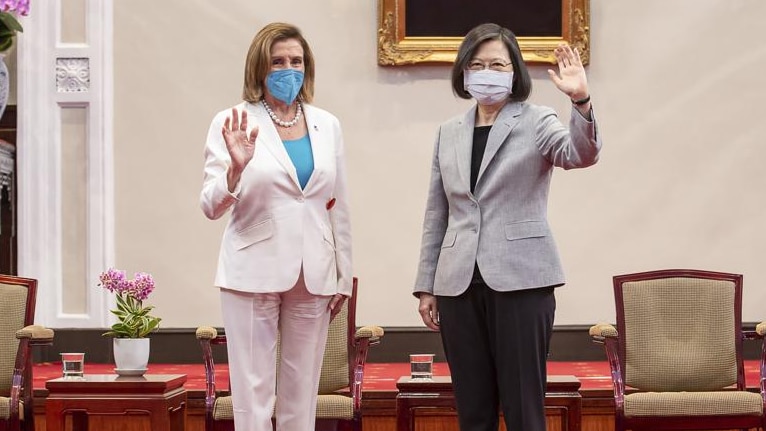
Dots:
pixel 28 424
pixel 618 424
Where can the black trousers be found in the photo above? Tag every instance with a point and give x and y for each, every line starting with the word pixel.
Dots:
pixel 496 345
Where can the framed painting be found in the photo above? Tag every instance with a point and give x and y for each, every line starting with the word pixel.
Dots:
pixel 430 31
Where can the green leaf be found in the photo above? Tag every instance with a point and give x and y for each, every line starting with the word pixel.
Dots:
pixel 130 321
pixel 119 327
pixel 5 43
pixel 120 314
pixel 151 324
pixel 120 330
pixel 10 21
pixel 121 304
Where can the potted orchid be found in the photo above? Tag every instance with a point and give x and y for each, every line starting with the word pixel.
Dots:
pixel 9 25
pixel 134 323
pixel 133 319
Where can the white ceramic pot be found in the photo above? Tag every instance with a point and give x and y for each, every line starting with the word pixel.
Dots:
pixel 131 355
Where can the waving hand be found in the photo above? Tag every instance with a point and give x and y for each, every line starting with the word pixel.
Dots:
pixel 570 79
pixel 240 146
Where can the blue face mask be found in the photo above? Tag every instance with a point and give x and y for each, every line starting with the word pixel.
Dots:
pixel 285 84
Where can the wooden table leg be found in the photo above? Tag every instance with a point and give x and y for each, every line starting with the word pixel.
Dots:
pixel 403 415
pixel 178 417
pixel 54 417
pixel 79 421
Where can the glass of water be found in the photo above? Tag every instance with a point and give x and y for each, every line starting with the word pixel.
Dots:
pixel 421 366
pixel 73 364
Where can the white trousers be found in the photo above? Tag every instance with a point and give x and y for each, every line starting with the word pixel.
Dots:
pixel 251 321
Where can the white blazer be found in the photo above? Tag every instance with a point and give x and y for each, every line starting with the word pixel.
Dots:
pixel 276 228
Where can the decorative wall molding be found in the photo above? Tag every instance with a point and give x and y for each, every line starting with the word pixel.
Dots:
pixel 72 75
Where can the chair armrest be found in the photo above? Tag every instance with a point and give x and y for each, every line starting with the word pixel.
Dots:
pixel 600 331
pixel 372 333
pixel 206 333
pixel 364 337
pixel 606 334
pixel 757 334
pixel 21 381
pixel 35 332
pixel 208 336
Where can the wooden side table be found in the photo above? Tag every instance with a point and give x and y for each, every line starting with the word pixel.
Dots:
pixel 161 397
pixel 562 395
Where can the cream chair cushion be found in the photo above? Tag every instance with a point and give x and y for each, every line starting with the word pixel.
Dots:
pixel 677 331
pixel 5 408
pixel 693 403
pixel 13 300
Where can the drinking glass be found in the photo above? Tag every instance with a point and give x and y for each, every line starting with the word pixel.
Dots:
pixel 73 364
pixel 421 366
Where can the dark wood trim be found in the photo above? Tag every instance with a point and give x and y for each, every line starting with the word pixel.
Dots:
pixel 8 199
pixel 179 345
pixel 8 124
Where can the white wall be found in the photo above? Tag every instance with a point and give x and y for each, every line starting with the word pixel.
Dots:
pixel 677 89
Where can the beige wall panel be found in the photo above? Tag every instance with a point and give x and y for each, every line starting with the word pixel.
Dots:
pixel 74 207
pixel 73 21
pixel 677 91
pixel 10 62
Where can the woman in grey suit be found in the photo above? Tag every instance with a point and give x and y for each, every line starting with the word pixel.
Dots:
pixel 488 263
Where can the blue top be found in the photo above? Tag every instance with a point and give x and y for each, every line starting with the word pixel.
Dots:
pixel 300 153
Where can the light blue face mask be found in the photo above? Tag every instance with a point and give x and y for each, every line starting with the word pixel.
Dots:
pixel 285 84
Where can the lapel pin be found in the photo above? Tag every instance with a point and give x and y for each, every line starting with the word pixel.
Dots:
pixel 330 204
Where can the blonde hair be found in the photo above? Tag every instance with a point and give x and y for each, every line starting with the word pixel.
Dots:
pixel 258 61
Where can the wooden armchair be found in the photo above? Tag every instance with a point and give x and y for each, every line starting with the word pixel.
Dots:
pixel 340 385
pixel 17 336
pixel 676 353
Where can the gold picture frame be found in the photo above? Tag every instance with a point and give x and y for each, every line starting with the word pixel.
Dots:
pixel 395 48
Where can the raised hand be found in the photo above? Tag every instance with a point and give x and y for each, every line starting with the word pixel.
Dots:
pixel 571 78
pixel 240 146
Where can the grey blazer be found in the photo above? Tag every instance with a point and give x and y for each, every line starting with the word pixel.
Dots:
pixel 503 225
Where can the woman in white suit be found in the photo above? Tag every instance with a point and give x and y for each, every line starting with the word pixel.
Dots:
pixel 277 163
pixel 488 262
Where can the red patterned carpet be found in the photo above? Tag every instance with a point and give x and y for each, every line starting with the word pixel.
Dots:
pixel 377 377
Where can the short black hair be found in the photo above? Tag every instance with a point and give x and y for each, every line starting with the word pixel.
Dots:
pixel 522 83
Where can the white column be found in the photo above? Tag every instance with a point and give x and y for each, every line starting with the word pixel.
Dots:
pixel 55 75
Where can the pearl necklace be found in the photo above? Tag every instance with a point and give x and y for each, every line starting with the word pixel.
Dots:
pixel 276 119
